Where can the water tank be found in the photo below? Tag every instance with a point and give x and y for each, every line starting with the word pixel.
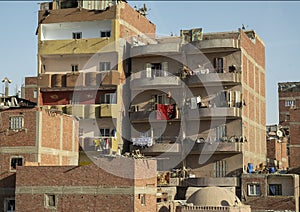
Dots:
pixel 272 170
pixel 250 167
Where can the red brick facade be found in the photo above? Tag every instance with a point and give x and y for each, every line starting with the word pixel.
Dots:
pixel 89 188
pixel 32 142
pixel 288 200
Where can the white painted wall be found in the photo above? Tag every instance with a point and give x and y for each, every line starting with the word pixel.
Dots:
pixel 61 64
pixel 63 31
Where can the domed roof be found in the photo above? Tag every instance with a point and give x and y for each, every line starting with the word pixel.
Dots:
pixel 214 196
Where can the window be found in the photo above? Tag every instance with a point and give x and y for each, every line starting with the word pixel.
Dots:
pixel 35 94
pixel 50 201
pixel 156 69
pixel 104 66
pixel 219 64
pixel 14 162
pixel 275 189
pixel 104 132
pixel 220 168
pixel 160 99
pixel 9 205
pixel 105 34
pixel 289 103
pixel 142 197
pixel 16 122
pixel 74 68
pixel 220 132
pixel 253 190
pixel 287 117
pixel 109 98
pixel 77 35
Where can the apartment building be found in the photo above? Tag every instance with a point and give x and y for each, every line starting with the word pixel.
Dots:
pixel 288 97
pixel 200 99
pixel 81 66
pixel 32 136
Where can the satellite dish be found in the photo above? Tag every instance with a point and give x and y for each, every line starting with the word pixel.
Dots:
pixel 279 133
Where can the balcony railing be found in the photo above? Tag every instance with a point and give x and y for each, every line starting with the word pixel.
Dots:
pixel 104 145
pixel 215 44
pixel 213 79
pixel 158 79
pixel 155 49
pixel 214 112
pixel 76 46
pixel 84 80
pixel 87 111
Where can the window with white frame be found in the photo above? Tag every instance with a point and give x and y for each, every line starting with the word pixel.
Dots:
pixel 16 122
pixel 254 189
pixel 77 35
pixel 289 103
pixel 104 66
pixel 16 161
pixel 110 98
pixel 220 132
pixel 160 99
pixel 35 94
pixel 50 201
pixel 104 132
pixel 157 69
pixel 105 34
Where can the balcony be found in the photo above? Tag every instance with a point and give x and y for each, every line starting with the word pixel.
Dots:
pixel 212 181
pixel 82 80
pixel 91 111
pixel 216 147
pixel 213 79
pixel 156 49
pixel 76 46
pixel 103 145
pixel 162 147
pixel 214 112
pixel 215 44
pixel 166 81
pixel 108 110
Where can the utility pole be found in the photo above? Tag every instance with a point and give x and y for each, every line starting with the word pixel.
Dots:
pixel 6 81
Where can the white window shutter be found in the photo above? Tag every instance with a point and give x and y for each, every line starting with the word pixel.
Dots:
pixel 165 68
pixel 148 70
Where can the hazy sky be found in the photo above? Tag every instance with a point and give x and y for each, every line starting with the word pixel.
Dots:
pixel 275 22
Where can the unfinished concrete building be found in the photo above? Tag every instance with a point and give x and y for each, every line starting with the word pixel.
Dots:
pixel 288 96
pixel 32 136
pixel 200 99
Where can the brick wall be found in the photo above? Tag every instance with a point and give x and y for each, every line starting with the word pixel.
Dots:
pixel 24 137
pixel 136 20
pixel 277 150
pixel 30 87
pixel 89 188
pixel 264 201
pixel 253 89
pixel 74 14
pixel 294 138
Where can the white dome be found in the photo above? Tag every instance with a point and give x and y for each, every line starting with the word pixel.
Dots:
pixel 214 196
